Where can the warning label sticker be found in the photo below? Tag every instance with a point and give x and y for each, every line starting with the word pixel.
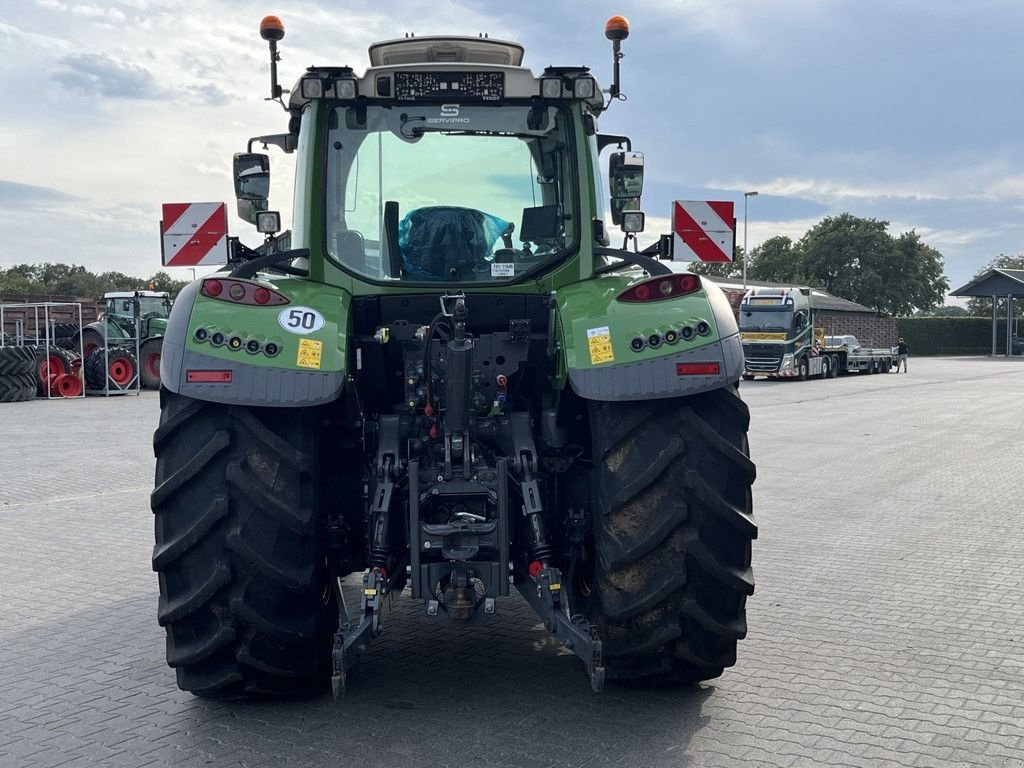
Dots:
pixel 309 353
pixel 600 342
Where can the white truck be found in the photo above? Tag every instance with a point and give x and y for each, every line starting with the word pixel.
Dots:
pixel 781 339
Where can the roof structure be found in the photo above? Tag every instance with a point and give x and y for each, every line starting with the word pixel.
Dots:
pixel 995 282
pixel 821 300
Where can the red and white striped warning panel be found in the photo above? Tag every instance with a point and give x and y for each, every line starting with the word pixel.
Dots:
pixel 705 230
pixel 194 234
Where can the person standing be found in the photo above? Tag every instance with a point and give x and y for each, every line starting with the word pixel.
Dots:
pixel 902 352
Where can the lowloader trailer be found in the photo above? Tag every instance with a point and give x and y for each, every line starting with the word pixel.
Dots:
pixel 781 339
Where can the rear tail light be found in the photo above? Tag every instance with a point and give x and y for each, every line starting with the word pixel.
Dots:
pixel 241 292
pixel 208 377
pixel 697 369
pixel 657 288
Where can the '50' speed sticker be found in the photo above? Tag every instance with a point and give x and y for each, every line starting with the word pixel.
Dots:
pixel 300 320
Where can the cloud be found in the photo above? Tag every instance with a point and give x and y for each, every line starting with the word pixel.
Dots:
pixel 96 74
pixel 14 194
pixel 34 39
pixel 110 14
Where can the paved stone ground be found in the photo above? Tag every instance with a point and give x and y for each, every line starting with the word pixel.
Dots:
pixel 887 627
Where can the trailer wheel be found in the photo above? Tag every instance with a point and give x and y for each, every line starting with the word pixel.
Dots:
pixel 240 550
pixel 672 527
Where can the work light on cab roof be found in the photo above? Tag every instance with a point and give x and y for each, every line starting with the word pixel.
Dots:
pixel 342 83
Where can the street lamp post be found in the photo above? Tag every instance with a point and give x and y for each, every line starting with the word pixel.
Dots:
pixel 745 196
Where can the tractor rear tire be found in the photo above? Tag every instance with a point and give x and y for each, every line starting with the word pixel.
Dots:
pixel 149 363
pixel 65 331
pixel 672 527
pixel 240 549
pixel 52 362
pixel 118 362
pixel 17 387
pixel 91 341
pixel 17 360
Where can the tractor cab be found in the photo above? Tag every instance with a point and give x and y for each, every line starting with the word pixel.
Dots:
pixel 447 163
pixel 119 308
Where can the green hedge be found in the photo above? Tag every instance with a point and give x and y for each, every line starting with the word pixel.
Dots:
pixel 952 335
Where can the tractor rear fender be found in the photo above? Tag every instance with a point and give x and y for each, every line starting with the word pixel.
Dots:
pixel 616 350
pixel 285 354
pixel 113 333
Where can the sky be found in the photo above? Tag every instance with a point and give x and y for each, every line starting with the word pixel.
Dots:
pixel 908 111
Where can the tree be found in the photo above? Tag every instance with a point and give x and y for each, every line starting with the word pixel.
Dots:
pixel 859 260
pixel 914 279
pixel 728 270
pixel 162 281
pixel 73 280
pixel 950 310
pixel 776 260
pixel 981 306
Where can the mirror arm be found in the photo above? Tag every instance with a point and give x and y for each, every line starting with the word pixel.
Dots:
pixel 286 141
pixel 652 266
pixel 662 249
pixel 607 139
pixel 251 266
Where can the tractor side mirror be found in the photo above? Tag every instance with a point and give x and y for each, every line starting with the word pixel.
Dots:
pixel 626 182
pixel 252 184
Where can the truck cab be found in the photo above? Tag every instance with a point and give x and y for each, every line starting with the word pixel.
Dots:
pixel 775 328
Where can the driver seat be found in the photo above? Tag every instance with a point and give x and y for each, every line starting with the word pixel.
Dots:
pixel 443 242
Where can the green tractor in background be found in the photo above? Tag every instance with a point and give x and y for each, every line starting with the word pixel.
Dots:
pixel 449 384
pixel 122 310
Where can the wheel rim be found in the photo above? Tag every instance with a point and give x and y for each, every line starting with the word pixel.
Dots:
pixel 120 372
pixel 153 365
pixel 51 365
pixel 69 386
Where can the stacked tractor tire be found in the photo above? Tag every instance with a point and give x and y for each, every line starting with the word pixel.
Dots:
pixel 117 363
pixel 17 374
pixel 57 372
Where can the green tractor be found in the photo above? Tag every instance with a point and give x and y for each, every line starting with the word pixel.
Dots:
pixel 449 384
pixel 117 326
